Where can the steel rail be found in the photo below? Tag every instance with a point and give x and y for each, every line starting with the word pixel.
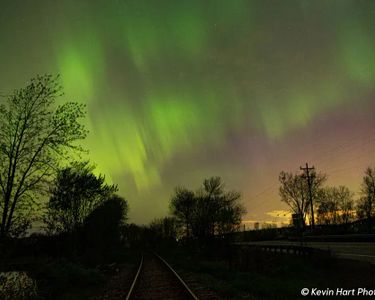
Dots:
pixel 135 280
pixel 191 293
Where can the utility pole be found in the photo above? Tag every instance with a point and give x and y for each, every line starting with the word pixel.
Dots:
pixel 308 176
pixel 302 213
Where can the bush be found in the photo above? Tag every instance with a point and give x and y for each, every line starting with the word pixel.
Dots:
pixel 17 286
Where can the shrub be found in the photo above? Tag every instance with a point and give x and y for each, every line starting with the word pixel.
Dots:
pixel 17 286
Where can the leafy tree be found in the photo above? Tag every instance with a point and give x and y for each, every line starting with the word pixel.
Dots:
pixel 75 193
pixel 366 205
pixel 35 135
pixel 294 191
pixel 182 207
pixel 102 229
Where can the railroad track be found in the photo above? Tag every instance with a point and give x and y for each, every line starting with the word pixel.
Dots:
pixel 155 279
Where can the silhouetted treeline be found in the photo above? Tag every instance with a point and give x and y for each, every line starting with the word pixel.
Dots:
pixel 334 206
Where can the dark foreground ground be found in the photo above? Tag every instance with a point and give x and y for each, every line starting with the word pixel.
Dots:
pixel 250 275
pixel 272 276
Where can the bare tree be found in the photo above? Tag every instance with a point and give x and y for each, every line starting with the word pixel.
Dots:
pixel 34 136
pixel 366 205
pixel 346 204
pixel 294 191
pixel 230 215
pixel 335 205
pixel 209 211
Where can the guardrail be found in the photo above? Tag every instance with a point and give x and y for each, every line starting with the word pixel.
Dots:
pixel 294 250
pixel 297 250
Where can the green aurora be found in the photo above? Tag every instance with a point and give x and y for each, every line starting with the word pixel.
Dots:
pixel 180 90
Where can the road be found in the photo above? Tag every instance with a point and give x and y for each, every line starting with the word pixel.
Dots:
pixel 364 251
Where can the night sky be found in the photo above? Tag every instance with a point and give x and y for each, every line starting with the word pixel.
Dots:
pixel 178 91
